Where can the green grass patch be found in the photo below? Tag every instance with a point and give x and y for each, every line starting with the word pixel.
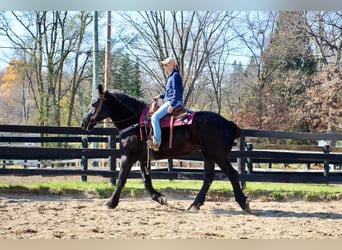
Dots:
pixel 288 191
pixel 219 190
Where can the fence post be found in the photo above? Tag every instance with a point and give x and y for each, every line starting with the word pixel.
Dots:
pixel 169 165
pixel 84 162
pixel 112 160
pixel 249 160
pixel 241 160
pixel 326 150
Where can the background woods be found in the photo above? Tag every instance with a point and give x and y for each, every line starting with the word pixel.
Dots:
pixel 49 61
pixel 265 70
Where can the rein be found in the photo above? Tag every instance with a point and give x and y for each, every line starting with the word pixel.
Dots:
pixel 127 119
pixel 128 128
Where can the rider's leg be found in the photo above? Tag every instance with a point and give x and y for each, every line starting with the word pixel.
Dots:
pixel 160 113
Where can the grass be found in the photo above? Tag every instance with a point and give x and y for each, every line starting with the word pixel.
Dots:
pixel 288 191
pixel 218 191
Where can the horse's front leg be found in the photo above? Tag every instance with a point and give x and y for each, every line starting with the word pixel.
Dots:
pixel 146 174
pixel 126 166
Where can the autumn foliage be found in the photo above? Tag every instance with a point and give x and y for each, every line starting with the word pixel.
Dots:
pixel 12 93
pixel 323 105
pixel 316 107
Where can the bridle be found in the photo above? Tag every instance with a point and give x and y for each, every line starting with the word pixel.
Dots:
pixel 98 109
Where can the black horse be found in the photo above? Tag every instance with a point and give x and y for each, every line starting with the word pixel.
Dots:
pixel 209 132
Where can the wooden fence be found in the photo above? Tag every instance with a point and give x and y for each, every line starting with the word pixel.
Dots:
pixel 71 143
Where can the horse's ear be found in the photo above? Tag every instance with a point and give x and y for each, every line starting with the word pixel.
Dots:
pixel 100 89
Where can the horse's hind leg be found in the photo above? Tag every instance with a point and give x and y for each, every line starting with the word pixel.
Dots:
pixel 146 174
pixel 209 175
pixel 233 176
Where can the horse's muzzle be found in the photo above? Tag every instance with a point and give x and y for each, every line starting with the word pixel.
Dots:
pixel 87 126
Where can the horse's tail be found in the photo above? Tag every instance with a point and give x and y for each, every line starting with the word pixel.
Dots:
pixel 236 130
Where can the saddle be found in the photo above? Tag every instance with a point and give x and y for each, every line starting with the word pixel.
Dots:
pixel 178 112
pixel 179 117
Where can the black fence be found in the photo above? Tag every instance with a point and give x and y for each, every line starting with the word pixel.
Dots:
pixel 255 153
pixel 58 145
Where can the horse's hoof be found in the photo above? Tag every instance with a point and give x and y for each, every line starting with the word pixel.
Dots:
pixel 247 209
pixel 162 200
pixel 193 208
pixel 109 205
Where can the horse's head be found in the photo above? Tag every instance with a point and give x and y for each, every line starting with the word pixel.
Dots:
pixel 122 109
pixel 96 111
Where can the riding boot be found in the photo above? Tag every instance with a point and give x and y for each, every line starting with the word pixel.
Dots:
pixel 152 144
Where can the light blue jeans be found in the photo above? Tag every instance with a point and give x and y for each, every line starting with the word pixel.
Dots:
pixel 155 120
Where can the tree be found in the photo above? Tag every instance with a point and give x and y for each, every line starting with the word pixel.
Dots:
pixel 190 37
pixel 282 72
pixel 80 61
pixel 128 77
pixel 288 50
pixel 125 74
pixel 324 29
pixel 234 88
pixel 135 88
pixel 15 94
pixel 254 32
pixel 291 93
pixel 288 64
pixel 47 44
pixel 322 108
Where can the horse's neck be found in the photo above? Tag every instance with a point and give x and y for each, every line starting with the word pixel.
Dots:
pixel 129 118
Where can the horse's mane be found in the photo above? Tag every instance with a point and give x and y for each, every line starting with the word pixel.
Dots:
pixel 129 102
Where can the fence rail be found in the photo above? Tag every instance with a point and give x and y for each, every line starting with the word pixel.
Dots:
pixel 72 143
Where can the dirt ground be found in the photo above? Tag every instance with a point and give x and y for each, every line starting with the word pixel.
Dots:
pixel 82 216
pixel 25 216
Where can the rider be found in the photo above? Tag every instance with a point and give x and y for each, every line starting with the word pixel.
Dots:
pixel 172 97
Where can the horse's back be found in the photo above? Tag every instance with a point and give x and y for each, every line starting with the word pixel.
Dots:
pixel 212 126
